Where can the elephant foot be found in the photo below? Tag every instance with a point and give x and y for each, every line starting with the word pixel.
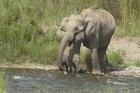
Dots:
pixel 96 72
pixel 60 68
pixel 106 68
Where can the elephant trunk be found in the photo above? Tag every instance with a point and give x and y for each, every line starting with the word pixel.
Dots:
pixel 63 44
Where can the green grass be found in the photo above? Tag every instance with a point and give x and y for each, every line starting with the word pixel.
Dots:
pixel 21 20
pixel 133 63
pixel 20 40
pixel 2 83
pixel 137 63
pixel 115 58
pixel 131 30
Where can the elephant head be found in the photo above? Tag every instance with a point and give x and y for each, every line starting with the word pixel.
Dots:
pixel 73 27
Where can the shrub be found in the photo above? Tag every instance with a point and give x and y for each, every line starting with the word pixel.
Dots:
pixel 115 58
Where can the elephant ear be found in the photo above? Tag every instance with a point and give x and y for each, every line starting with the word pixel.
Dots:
pixel 90 26
pixel 80 27
pixel 90 20
pixel 64 24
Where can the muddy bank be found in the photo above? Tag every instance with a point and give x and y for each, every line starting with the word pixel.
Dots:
pixel 131 71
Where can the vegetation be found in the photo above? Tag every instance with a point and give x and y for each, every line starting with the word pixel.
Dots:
pixel 21 20
pixel 137 63
pixel 2 83
pixel 134 63
pixel 115 58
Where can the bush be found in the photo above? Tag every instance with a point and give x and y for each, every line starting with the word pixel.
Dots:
pixel 115 58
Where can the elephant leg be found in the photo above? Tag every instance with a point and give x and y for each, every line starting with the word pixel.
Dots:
pixel 104 64
pixel 95 62
pixel 66 70
pixel 108 65
pixel 89 64
pixel 101 54
pixel 73 61
pixel 76 60
pixel 70 64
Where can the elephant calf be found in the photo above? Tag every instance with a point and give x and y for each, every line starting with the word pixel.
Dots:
pixel 73 63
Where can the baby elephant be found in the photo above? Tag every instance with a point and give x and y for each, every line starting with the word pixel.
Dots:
pixel 70 63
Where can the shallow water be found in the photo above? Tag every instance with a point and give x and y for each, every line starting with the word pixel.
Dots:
pixel 39 81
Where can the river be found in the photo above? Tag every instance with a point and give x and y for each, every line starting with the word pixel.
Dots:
pixel 40 81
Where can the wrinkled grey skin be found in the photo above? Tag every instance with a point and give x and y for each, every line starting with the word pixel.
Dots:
pixel 74 62
pixel 74 58
pixel 94 28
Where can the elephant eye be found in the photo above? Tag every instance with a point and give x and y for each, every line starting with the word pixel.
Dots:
pixel 63 29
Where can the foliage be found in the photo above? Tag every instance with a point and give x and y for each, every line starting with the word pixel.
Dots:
pixel 115 58
pixel 21 20
pixel 19 37
pixel 137 63
pixel 133 63
pixel 2 83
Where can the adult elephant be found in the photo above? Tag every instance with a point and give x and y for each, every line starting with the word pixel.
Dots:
pixel 94 28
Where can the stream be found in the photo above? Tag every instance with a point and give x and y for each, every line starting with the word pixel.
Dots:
pixel 40 81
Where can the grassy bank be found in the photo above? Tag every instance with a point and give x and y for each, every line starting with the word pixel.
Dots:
pixel 2 83
pixel 21 21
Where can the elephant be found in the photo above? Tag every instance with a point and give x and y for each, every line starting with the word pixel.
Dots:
pixel 68 39
pixel 73 63
pixel 94 28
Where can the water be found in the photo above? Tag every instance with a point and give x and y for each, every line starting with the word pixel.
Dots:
pixel 38 81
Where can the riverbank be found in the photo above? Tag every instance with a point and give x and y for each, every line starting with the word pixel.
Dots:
pixel 131 71
pixel 30 66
